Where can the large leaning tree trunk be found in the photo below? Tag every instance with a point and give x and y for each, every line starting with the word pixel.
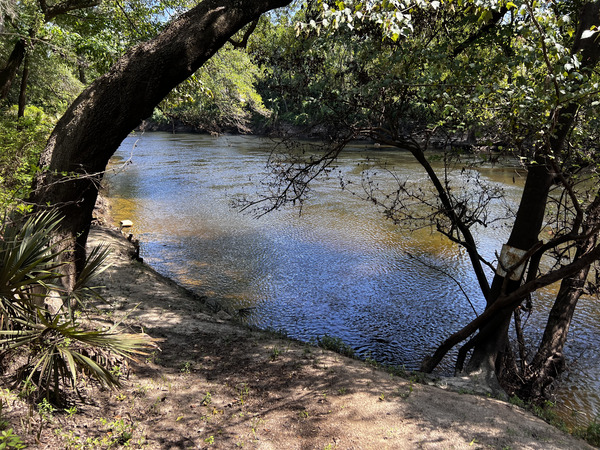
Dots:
pixel 96 123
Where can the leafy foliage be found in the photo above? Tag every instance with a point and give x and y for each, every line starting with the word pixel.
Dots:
pixel 10 440
pixel 221 94
pixel 305 79
pixel 591 433
pixel 21 142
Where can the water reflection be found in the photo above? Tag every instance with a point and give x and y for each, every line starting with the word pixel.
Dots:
pixel 339 269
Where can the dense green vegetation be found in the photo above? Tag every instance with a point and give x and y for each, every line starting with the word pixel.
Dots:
pixel 486 79
pixel 22 142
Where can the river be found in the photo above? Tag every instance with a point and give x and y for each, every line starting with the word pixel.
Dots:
pixel 338 268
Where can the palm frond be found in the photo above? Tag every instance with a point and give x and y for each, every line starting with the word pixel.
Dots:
pixel 60 349
pixel 95 264
pixel 28 264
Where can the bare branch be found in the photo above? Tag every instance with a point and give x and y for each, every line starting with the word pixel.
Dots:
pixel 244 41
pixel 290 175
pixel 442 271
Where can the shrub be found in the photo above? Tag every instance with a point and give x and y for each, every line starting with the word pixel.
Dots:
pixel 35 313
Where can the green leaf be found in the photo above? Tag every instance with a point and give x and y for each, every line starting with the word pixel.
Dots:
pixel 485 16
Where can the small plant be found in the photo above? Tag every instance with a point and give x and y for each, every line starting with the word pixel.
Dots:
pixel 207 399
pixel 546 412
pixel 152 358
pixel 119 432
pixel 591 433
pixel 46 412
pixel 303 414
pixel 335 344
pixel 406 393
pixel 71 411
pixel 399 371
pixel 243 392
pixel 275 353
pixel 186 367
pixel 141 391
pixel 372 361
pixel 256 422
pixel 515 400
pixel 155 407
pixel 116 371
pixel 210 440
pixel 9 440
pixel 27 389
pixel 418 377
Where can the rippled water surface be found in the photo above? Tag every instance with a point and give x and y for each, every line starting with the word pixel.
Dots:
pixel 339 268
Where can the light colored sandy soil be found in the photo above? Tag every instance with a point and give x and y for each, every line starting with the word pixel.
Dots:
pixel 218 384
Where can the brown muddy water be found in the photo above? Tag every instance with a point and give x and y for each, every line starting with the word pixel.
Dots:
pixel 339 268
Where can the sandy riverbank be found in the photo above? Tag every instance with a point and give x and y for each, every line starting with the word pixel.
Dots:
pixel 218 384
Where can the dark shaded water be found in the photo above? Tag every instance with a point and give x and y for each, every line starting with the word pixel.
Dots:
pixel 339 269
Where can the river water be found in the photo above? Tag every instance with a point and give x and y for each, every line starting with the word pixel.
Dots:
pixel 338 268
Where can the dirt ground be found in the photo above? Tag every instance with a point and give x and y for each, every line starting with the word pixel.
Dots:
pixel 218 384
